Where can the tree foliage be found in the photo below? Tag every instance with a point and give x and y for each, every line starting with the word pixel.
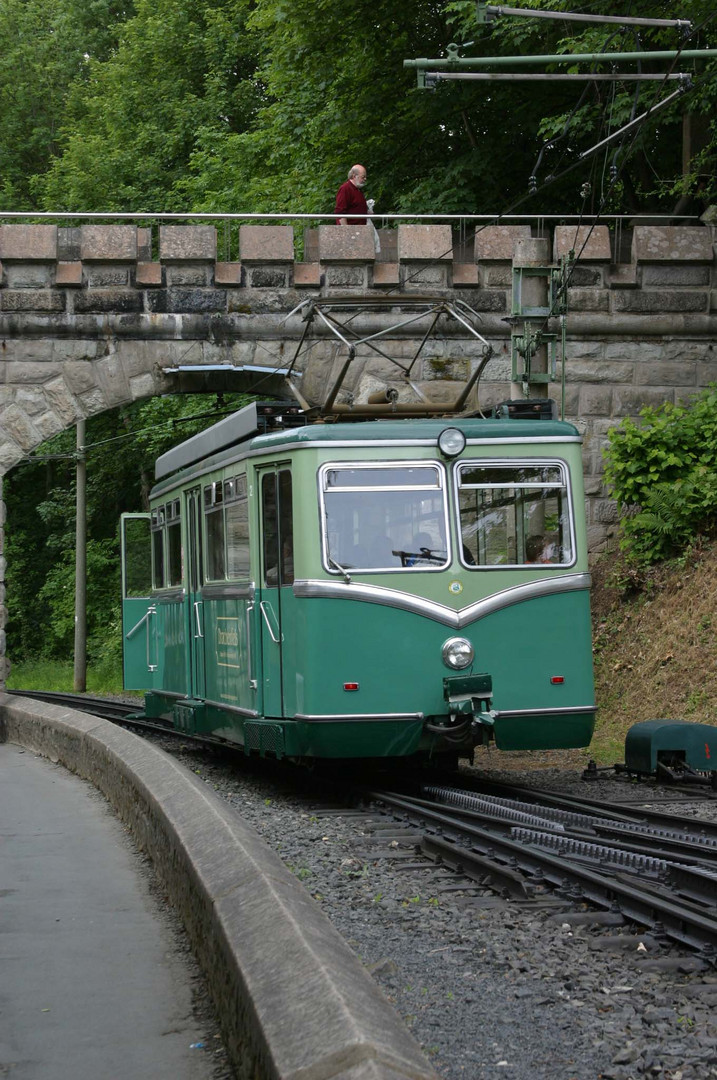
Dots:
pixel 46 49
pixel 263 105
pixel 663 473
pixel 182 70
pixel 122 446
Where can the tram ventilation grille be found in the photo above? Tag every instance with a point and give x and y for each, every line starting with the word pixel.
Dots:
pixel 266 738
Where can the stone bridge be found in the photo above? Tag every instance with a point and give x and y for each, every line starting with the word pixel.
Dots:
pixel 96 316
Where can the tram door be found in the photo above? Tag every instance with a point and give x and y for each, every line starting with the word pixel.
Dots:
pixel 140 652
pixel 195 581
pixel 277 575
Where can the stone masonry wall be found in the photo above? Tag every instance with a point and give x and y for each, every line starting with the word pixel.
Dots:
pixel 100 315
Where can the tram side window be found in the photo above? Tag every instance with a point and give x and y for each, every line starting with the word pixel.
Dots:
pixel 514 514
pixel 236 508
pixel 214 519
pixel 158 548
pixel 174 544
pixel 278 529
pixel 286 523
pixel 137 564
pixel 385 517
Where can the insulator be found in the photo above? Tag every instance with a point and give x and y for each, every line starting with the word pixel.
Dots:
pixel 613 173
pixel 585 190
pixel 384 397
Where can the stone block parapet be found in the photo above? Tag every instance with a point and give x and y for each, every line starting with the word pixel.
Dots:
pixel 307 275
pixel 266 243
pixel 228 273
pixel 589 243
pixel 465 274
pixel 108 243
pixel 27 243
pixel 116 269
pixel 424 243
pixel 149 274
pixel 496 243
pixel 676 243
pixel 385 274
pixel 346 243
pixel 69 273
pixel 674 257
pixel 180 242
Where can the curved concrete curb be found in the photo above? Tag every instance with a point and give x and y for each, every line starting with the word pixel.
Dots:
pixel 293 1000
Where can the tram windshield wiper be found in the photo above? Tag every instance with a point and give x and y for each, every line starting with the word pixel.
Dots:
pixel 423 555
pixel 340 568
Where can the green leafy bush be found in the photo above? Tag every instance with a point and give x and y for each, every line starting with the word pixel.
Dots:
pixel 663 473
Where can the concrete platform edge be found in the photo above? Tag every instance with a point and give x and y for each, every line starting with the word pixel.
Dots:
pixel 293 1000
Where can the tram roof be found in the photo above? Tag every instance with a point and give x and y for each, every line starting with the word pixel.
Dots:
pixel 211 447
pixel 415 430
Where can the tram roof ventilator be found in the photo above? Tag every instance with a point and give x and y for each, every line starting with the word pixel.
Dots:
pixel 254 419
pixel 526 409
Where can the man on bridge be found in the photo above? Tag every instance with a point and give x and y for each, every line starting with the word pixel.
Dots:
pixel 350 198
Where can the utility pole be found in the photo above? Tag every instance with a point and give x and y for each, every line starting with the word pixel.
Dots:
pixel 530 311
pixel 80 674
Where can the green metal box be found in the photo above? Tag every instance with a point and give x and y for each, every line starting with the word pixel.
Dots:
pixel 673 743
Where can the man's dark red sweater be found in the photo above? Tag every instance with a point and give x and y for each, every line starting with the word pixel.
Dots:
pixel 350 200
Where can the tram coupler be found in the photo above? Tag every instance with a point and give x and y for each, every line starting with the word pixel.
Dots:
pixel 470 697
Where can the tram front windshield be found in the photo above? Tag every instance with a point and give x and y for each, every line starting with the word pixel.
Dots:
pixel 385 517
pixel 394 517
pixel 514 514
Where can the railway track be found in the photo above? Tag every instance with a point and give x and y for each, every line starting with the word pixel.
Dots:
pixel 652 868
pixel 655 869
pixel 108 709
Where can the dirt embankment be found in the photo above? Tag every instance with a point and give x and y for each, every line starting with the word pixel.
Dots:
pixel 655 649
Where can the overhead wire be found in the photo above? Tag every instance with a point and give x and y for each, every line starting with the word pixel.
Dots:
pixel 553 140
pixel 170 422
pixel 555 177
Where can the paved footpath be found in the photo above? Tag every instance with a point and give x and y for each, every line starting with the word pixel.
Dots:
pixel 92 983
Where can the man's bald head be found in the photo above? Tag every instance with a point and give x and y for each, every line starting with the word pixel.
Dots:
pixel 357 175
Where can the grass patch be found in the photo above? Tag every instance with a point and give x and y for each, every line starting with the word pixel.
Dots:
pixel 59 675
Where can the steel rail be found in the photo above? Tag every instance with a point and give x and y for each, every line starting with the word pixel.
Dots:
pixel 622 836
pixel 671 832
pixel 595 807
pixel 103 707
pixel 685 923
pixel 117 712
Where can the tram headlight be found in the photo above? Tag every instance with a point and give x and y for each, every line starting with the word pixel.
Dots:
pixel 451 442
pixel 457 653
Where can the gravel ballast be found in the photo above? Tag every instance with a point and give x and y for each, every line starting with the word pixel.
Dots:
pixel 490 988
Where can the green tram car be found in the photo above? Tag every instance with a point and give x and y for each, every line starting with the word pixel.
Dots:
pixel 375 589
